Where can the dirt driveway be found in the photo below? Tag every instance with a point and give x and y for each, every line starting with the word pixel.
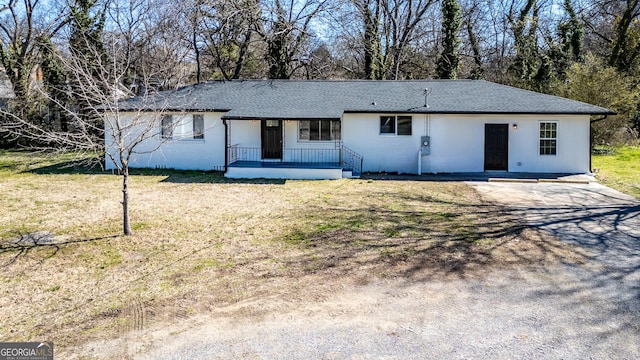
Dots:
pixel 567 311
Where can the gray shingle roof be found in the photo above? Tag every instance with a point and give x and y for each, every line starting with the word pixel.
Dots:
pixel 292 99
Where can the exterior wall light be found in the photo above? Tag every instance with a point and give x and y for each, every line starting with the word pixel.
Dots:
pixel 515 126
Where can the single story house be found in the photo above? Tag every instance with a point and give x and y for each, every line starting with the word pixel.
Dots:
pixel 329 129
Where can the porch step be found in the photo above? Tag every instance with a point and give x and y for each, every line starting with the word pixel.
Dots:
pixel 348 174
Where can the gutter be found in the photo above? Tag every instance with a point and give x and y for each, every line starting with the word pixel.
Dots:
pixel 591 140
pixel 600 119
pixel 226 146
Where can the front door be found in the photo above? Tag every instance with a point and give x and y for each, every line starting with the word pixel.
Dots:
pixel 496 146
pixel 272 139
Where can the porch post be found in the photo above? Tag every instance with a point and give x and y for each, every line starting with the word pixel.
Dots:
pixel 226 145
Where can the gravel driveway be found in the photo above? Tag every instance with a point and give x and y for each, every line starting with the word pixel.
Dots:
pixel 591 310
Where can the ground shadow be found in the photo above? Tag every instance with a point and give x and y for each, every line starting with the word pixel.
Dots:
pixel 84 166
pixel 170 175
pixel 22 245
pixel 205 177
pixel 474 176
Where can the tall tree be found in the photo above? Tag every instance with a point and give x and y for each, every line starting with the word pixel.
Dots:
pixel 567 49
pixel 285 30
pixel 478 71
pixel 449 60
pixel 389 34
pixel 526 62
pixel 624 52
pixel 87 21
pixel 371 15
pixel 571 33
pixel 99 86
pixel 21 25
pixel 55 82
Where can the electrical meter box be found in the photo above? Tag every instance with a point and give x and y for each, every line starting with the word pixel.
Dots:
pixel 425 145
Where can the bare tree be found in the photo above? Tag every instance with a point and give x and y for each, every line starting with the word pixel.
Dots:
pixel 388 36
pixel 110 121
pixel 285 29
pixel 228 32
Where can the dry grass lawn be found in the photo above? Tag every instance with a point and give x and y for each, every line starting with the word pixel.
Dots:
pixel 620 169
pixel 202 243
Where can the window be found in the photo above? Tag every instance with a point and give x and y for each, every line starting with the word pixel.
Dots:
pixel 387 124
pixel 167 126
pixel 319 130
pixel 404 125
pixel 182 127
pixel 198 126
pixel 395 125
pixel 548 138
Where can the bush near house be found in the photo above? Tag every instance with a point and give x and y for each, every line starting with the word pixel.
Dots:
pixel 619 168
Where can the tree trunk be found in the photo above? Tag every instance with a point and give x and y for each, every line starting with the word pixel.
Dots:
pixel 125 201
pixel 620 46
pixel 372 46
pixel 477 72
pixel 196 49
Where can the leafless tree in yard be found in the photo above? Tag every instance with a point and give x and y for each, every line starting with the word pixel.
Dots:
pixel 110 119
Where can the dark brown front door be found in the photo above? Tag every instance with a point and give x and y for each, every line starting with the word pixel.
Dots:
pixel 272 139
pixel 496 146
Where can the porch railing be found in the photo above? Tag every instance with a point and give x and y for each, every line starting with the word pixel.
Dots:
pixel 342 156
pixel 351 159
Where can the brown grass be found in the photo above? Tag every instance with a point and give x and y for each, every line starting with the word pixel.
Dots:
pixel 202 243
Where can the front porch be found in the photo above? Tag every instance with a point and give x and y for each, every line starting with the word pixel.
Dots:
pixel 310 164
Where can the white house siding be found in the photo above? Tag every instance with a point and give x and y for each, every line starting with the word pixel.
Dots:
pixel 295 148
pixel 247 134
pixel 383 152
pixel 183 154
pixel 457 143
pixel 244 133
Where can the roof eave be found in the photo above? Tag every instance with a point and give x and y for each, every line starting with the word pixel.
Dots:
pixel 232 117
pixel 444 112
pixel 175 110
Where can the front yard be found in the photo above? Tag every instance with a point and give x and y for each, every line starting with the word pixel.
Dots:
pixel 203 243
pixel 620 169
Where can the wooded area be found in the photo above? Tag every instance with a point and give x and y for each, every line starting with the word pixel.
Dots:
pixel 63 59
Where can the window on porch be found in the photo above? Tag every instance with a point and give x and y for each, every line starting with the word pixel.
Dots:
pixel 318 130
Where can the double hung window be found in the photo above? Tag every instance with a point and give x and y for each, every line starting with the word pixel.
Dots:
pixel 548 138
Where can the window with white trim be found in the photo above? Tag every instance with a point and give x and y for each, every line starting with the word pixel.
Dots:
pixel 198 126
pixel 166 129
pixel 548 138
pixel 182 127
pixel 395 125
pixel 318 130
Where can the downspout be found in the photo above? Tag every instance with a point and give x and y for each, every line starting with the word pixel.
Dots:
pixel 226 146
pixel 591 140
